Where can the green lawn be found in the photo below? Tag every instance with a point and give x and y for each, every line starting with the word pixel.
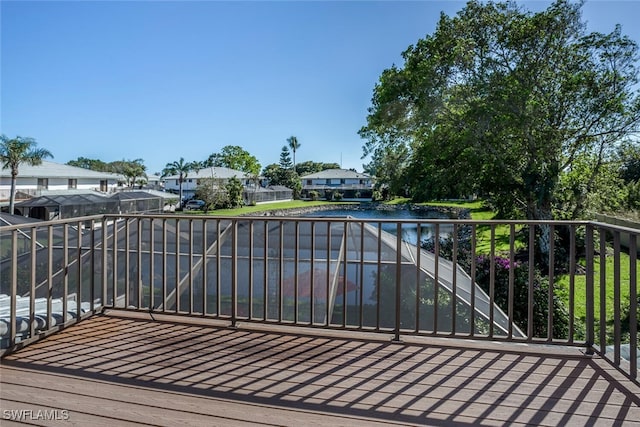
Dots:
pixel 479 211
pixel 562 282
pixel 265 207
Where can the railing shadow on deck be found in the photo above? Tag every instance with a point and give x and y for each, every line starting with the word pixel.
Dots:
pixel 408 383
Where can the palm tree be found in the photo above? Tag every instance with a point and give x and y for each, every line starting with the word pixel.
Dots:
pixel 294 145
pixel 182 169
pixel 19 150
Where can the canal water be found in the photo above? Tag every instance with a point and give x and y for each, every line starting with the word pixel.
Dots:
pixel 409 230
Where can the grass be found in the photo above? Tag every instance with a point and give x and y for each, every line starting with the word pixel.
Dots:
pixel 479 211
pixel 580 291
pixel 264 208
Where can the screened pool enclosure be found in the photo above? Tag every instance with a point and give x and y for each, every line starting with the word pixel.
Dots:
pixel 336 272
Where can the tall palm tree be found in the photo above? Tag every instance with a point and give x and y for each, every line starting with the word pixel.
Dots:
pixel 294 145
pixel 19 150
pixel 182 169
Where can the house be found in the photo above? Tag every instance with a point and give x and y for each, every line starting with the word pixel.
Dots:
pixel 337 183
pixel 220 174
pixel 38 180
pixel 254 189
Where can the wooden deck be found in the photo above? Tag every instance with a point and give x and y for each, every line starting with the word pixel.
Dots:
pixel 115 370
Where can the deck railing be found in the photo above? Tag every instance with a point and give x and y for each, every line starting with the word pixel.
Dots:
pixel 555 282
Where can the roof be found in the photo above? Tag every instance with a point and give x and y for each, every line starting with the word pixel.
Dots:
pixel 57 170
pixel 133 195
pixel 8 219
pixel 64 200
pixel 213 172
pixel 337 174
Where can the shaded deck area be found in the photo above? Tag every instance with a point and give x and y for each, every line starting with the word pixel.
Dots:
pixel 122 370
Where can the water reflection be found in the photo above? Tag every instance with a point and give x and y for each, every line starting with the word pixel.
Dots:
pixel 409 231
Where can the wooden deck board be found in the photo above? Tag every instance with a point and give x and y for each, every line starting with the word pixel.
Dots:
pixel 118 370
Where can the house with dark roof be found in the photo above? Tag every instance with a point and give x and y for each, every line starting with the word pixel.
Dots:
pixel 332 184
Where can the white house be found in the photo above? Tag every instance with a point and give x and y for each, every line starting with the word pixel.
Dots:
pixel 350 185
pixel 191 182
pixel 37 180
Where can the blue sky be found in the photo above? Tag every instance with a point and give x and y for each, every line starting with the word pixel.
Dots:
pixel 160 80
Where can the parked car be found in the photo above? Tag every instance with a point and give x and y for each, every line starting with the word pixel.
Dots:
pixel 194 204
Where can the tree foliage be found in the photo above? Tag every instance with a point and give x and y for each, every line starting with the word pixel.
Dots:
pixel 234 157
pixel 501 102
pixel 130 169
pixel 309 167
pixel 91 164
pixel 16 151
pixel 293 145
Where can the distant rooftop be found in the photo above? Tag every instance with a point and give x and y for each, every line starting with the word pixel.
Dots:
pixel 57 170
pixel 337 174
pixel 213 172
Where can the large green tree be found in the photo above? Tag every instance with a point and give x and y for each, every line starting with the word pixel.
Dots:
pixel 182 170
pixel 130 169
pixel 500 101
pixel 234 157
pixel 16 151
pixel 309 167
pixel 91 164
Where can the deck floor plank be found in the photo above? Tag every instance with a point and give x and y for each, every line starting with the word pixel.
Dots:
pixel 121 370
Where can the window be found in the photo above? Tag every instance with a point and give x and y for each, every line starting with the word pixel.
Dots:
pixel 103 185
pixel 328 182
pixel 308 182
pixel 342 181
pixel 43 183
pixel 73 183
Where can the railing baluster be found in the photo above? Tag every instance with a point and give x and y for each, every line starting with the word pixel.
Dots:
pixel 65 274
pixel 177 289
pixel 436 278
pixel 234 271
pixel 140 288
pixel 616 298
pixel 572 281
pixel 265 282
pixel 204 267
pixel 590 294
pixel 378 273
pixel 164 264
pixel 603 291
pixel 550 303
pixel 492 279
pixel 251 272
pixel 454 279
pixel 152 256
pixel 13 314
pixel 530 291
pixel 296 261
pixel 190 264
pixel 50 277
pixel 633 306
pixel 79 273
pixel 105 275
pixel 398 282
pixel 472 310
pixel 32 285
pixel 312 293
pixel 510 303
pixel 418 275
pixel 361 276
